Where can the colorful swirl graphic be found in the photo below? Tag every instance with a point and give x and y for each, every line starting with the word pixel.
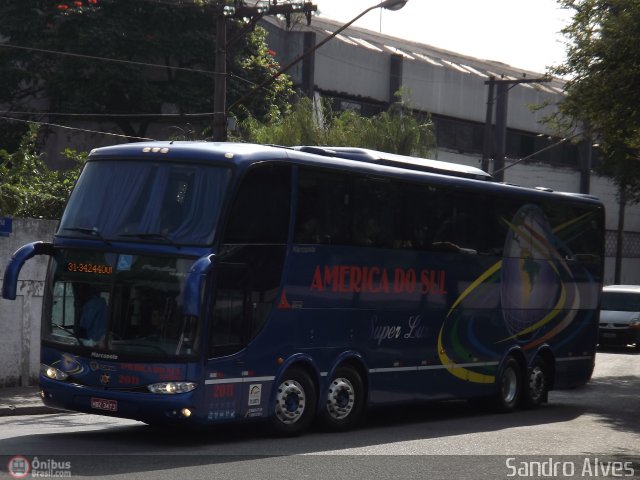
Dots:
pixel 534 287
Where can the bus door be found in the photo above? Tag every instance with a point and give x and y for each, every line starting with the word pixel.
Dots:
pixel 249 274
pixel 230 320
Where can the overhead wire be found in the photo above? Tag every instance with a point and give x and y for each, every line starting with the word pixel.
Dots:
pixel 118 60
pixel 86 130
pixel 105 59
pixel 128 115
pixel 106 115
pixel 538 152
pixel 112 60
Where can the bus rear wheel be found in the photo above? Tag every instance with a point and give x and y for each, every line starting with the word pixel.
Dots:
pixel 509 385
pixel 537 384
pixel 295 403
pixel 344 402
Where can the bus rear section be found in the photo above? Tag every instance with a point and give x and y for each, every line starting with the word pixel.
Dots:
pixel 446 288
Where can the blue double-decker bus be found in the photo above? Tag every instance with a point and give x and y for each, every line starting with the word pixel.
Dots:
pixel 205 283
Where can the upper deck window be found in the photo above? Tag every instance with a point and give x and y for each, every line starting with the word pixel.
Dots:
pixel 159 202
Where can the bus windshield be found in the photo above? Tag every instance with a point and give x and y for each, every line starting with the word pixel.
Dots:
pixel 128 305
pixel 157 202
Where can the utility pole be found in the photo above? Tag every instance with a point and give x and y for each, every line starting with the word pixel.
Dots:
pixel 498 149
pixel 237 9
pixel 487 150
pixel 387 4
pixel 502 108
pixel 220 81
pixel 622 204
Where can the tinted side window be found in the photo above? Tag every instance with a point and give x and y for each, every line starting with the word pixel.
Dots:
pixel 579 229
pixel 260 213
pixel 376 204
pixel 325 202
pixel 251 258
pixel 460 220
pixel 346 209
pixel 231 316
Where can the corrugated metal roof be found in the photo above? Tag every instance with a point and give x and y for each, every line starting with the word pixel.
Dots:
pixel 414 51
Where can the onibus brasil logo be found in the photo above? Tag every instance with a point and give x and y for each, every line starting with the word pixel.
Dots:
pixel 21 467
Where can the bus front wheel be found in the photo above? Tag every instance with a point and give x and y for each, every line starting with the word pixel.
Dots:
pixel 509 385
pixel 295 403
pixel 344 402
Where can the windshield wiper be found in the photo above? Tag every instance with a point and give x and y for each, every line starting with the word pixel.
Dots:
pixel 94 232
pixel 70 331
pixel 151 235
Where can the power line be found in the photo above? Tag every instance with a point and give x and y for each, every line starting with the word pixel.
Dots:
pixel 108 115
pixel 105 59
pixel 86 130
pixel 117 60
pixel 542 150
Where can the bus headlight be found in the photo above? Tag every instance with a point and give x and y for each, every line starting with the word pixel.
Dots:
pixel 172 387
pixel 52 372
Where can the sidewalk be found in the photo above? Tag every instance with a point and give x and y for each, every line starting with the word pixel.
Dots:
pixel 22 401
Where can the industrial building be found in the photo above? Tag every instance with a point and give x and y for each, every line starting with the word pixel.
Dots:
pixel 363 70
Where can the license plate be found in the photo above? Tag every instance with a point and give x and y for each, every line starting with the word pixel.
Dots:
pixel 609 335
pixel 103 404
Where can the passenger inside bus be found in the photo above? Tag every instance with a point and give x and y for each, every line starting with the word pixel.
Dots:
pixel 93 319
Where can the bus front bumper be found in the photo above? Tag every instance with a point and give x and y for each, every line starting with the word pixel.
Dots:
pixel 145 407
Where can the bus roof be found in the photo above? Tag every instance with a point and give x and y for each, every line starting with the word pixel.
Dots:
pixel 375 162
pixel 401 161
pixel 239 151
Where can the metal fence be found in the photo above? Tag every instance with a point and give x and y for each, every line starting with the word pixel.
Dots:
pixel 630 244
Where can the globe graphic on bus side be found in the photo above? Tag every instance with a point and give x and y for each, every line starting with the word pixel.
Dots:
pixel 530 286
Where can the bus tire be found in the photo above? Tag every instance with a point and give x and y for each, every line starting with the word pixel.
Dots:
pixel 295 403
pixel 344 402
pixel 536 384
pixel 509 386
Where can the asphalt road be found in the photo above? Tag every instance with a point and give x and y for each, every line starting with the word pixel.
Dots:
pixel 592 432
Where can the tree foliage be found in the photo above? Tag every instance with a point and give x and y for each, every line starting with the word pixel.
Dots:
pixel 177 33
pixel 28 188
pixel 395 131
pixel 603 64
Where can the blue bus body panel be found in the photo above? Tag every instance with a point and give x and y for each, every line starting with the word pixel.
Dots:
pixel 121 385
pixel 434 317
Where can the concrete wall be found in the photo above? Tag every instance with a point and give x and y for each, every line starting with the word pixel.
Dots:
pixel 20 318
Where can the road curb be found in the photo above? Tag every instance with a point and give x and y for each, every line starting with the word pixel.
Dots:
pixel 11 410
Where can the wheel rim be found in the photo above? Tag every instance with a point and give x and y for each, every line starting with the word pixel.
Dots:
pixel 536 383
pixel 509 385
pixel 340 399
pixel 290 402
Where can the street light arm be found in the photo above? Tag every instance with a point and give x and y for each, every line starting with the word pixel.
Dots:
pixel 389 4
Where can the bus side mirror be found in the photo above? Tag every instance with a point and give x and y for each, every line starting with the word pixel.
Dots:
pixel 24 253
pixel 192 293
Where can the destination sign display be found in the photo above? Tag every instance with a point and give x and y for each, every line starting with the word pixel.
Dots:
pixel 86 267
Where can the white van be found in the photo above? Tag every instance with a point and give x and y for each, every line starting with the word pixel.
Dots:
pixel 620 315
